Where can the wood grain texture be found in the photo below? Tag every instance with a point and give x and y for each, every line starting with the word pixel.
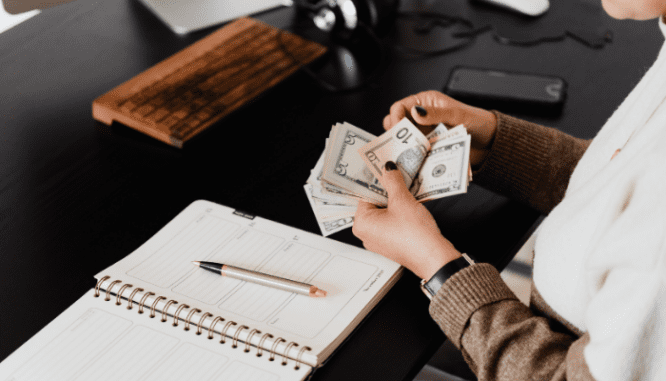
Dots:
pixel 188 92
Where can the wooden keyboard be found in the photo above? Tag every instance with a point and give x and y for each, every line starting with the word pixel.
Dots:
pixel 186 93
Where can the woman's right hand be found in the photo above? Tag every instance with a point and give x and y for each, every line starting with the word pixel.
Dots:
pixel 480 124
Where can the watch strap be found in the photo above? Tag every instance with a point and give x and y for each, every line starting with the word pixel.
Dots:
pixel 446 272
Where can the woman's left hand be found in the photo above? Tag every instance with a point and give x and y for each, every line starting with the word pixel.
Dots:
pixel 404 231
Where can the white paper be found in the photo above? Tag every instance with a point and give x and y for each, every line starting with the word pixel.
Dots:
pixel 205 231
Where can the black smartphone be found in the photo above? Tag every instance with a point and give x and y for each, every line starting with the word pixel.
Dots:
pixel 510 91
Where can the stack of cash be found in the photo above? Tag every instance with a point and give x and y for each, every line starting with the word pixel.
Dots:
pixel 350 169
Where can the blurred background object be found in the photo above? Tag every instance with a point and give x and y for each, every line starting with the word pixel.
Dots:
pixel 9 20
pixel 15 7
pixel 185 16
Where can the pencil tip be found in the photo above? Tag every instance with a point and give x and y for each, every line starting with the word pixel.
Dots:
pixel 320 293
pixel 196 263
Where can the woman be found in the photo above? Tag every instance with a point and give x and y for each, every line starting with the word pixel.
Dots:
pixel 598 300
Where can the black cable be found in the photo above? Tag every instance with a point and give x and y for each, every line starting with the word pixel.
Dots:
pixel 541 40
pixel 434 53
pixel 538 41
pixel 434 19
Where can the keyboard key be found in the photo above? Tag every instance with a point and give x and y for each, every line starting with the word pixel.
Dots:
pixel 143 110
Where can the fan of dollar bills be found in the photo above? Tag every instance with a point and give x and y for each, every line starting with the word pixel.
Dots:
pixel 433 166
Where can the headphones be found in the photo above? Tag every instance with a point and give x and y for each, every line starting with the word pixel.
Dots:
pixel 342 18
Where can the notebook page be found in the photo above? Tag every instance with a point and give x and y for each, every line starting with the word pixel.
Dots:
pixel 205 231
pixel 97 340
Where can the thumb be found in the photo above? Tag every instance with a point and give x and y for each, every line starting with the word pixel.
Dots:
pixel 394 183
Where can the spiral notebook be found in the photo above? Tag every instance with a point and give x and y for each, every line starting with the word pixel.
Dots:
pixel 153 315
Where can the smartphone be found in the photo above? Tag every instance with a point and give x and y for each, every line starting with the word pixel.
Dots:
pixel 510 91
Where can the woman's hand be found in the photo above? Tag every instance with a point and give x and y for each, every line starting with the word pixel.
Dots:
pixel 404 231
pixel 439 108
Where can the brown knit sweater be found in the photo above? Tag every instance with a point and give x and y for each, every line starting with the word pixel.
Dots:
pixel 501 338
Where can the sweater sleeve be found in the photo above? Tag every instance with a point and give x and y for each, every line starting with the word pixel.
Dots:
pixel 529 162
pixel 500 338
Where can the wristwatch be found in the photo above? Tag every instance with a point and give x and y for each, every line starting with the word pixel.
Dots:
pixel 430 287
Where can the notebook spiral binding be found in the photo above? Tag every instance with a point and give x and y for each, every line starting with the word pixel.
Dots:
pixel 199 327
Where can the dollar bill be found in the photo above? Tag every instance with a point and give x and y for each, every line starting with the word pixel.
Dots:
pixel 441 132
pixel 332 192
pixel 445 170
pixel 328 226
pixel 403 144
pixel 315 173
pixel 435 166
pixel 326 209
pixel 335 226
pixel 344 168
pixel 325 198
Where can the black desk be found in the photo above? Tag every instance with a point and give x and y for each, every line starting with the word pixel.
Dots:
pixel 76 196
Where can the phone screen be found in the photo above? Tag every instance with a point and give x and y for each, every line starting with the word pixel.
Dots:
pixel 503 85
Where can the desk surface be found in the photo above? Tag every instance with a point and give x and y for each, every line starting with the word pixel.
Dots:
pixel 77 196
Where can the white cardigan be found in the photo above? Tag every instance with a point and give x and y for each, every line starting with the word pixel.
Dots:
pixel 600 255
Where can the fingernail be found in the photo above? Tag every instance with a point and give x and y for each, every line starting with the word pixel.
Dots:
pixel 390 166
pixel 420 110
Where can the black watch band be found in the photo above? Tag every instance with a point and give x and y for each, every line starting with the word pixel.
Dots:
pixel 435 283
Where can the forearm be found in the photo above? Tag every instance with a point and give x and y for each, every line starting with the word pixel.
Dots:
pixel 499 336
pixel 529 162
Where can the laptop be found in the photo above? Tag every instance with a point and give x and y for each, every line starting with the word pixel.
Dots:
pixel 181 16
pixel 185 16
